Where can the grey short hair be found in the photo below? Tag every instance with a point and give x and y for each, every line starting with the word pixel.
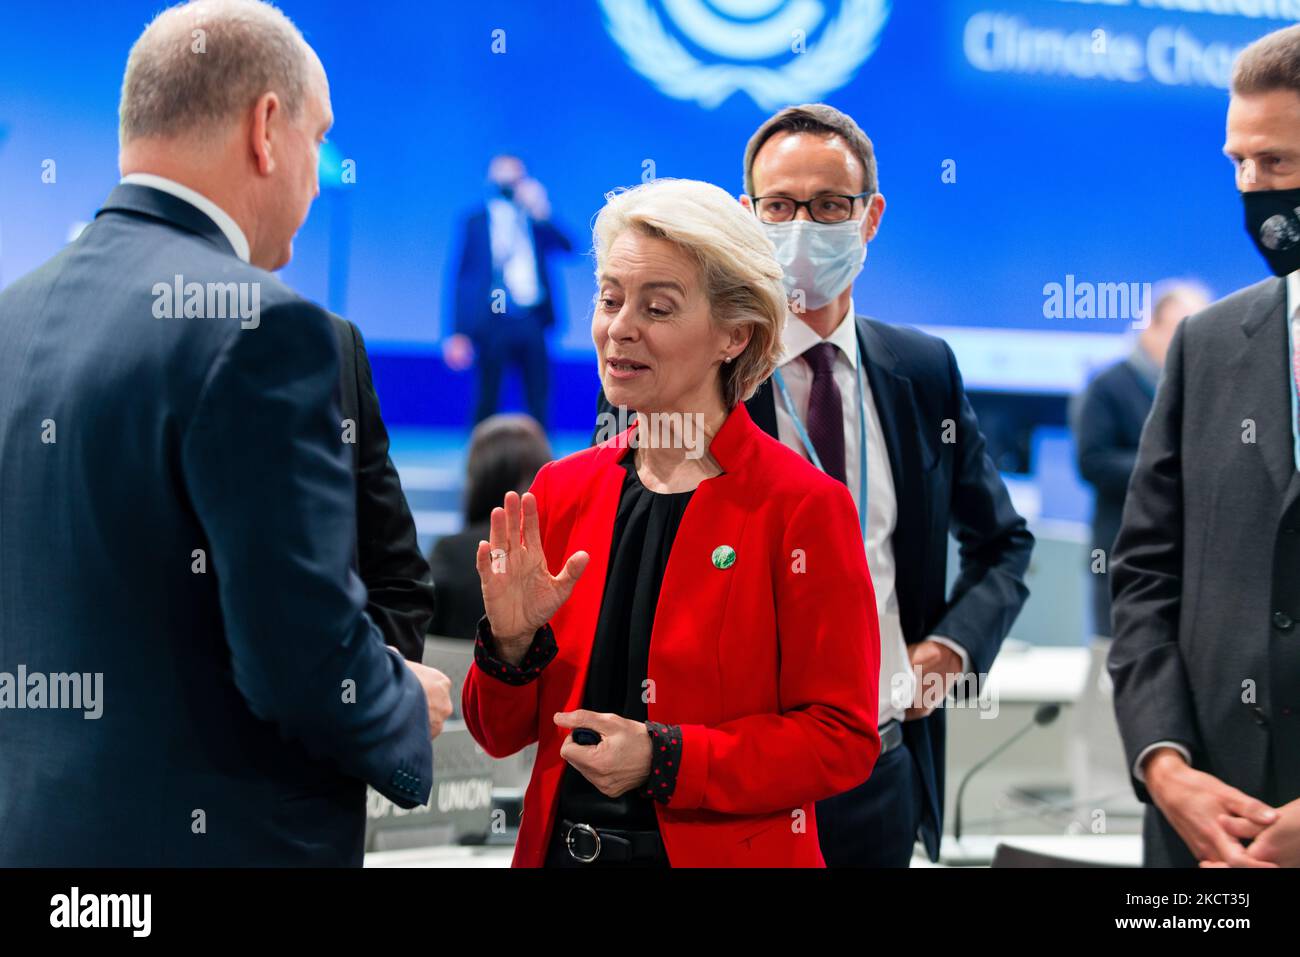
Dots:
pixel 200 65
pixel 738 266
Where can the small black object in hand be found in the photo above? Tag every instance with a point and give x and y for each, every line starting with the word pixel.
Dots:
pixel 585 736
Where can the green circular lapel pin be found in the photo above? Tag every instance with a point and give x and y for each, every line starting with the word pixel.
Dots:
pixel 724 556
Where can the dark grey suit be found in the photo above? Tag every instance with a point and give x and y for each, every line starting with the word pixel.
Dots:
pixel 177 513
pixel 1206 571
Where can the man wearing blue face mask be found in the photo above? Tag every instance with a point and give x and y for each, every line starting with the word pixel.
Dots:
pixel 882 409
pixel 1205 577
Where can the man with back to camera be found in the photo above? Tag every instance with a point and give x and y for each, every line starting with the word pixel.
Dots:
pixel 1206 653
pixel 178 508
pixel 810 177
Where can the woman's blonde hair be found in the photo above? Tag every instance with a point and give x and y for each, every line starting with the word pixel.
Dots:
pixel 738 267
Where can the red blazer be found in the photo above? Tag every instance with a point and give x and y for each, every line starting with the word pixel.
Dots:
pixel 769 666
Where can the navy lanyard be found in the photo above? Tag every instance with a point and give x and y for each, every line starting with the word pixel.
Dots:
pixel 862 437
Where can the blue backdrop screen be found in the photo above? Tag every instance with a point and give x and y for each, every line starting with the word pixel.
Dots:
pixel 1020 142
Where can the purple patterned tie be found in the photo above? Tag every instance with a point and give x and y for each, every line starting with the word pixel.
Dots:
pixel 826 410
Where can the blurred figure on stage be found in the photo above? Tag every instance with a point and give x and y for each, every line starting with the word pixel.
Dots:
pixel 502 297
pixel 505 453
pixel 1206 600
pixel 702 668
pixel 1107 420
pixel 179 510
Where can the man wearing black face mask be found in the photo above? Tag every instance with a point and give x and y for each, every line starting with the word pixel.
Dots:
pixel 1206 573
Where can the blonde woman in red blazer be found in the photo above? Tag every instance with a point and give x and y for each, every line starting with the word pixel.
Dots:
pixel 750 682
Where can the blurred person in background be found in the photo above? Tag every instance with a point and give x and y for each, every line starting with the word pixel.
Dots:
pixel 503 301
pixel 505 453
pixel 1107 421
pixel 702 669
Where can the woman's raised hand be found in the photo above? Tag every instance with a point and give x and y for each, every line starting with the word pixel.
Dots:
pixel 519 593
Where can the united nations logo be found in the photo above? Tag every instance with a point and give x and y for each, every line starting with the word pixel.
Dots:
pixel 776 51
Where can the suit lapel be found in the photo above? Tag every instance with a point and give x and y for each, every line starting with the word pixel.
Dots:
pixel 1260 373
pixel 689 617
pixel 900 423
pixel 762 408
pixel 895 405
pixel 593 533
pixel 154 203
pixel 1292 494
pixel 694 595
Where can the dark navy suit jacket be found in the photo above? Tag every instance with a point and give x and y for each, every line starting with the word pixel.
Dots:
pixel 940 486
pixel 189 534
pixel 1107 423
pixel 477 277
pixel 401 596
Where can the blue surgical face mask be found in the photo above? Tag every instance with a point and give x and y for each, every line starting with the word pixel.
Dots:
pixel 820 260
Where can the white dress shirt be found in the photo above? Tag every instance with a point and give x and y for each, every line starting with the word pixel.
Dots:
pixel 512 251
pixel 897 680
pixel 1293 317
pixel 225 222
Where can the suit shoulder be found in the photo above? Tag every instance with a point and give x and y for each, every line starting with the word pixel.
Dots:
pixel 347 333
pixel 580 464
pixel 1231 309
pixel 36 282
pixel 1115 377
pixel 919 353
pixel 341 325
pixel 473 217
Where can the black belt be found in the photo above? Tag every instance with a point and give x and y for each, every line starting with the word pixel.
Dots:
pixel 587 843
pixel 891 736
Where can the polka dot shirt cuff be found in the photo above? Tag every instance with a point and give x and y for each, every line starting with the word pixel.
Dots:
pixel 665 760
pixel 539 655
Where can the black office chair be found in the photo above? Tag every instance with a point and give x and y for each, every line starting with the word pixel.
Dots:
pixel 1007 856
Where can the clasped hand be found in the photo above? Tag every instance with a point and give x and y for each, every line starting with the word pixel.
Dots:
pixel 1214 819
pixel 620 762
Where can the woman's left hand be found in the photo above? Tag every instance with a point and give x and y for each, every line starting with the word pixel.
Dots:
pixel 620 762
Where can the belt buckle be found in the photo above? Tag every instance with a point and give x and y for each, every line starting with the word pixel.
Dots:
pixel 568 842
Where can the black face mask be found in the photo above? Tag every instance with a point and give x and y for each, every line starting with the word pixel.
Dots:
pixel 1273 221
pixel 507 190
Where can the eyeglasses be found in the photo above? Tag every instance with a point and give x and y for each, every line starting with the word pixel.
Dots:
pixel 823 208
